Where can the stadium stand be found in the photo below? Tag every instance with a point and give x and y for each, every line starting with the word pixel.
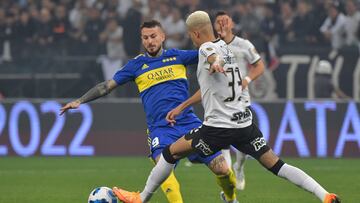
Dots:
pixel 47 44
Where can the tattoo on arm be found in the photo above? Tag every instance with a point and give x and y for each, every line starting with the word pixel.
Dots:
pixel 99 90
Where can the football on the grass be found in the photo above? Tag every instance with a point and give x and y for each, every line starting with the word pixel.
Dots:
pixel 102 195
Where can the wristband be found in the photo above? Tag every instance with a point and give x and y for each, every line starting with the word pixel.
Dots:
pixel 248 79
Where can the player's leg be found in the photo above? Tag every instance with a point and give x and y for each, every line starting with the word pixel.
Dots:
pixel 238 166
pixel 227 155
pixel 295 175
pixel 158 139
pixel 168 158
pixel 225 177
pixel 171 187
pixel 165 165
pixel 208 144
pixel 256 146
pixel 239 169
pixel 217 163
pixel 240 159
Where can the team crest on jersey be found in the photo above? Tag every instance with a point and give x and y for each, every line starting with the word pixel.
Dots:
pixel 209 49
pixel 253 50
pixel 258 143
pixel 204 148
pixel 229 56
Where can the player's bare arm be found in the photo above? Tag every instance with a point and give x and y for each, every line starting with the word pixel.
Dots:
pixel 171 115
pixel 99 90
pixel 216 64
pixel 256 70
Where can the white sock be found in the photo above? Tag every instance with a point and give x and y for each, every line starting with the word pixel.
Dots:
pixel 240 160
pixel 227 156
pixel 158 175
pixel 303 180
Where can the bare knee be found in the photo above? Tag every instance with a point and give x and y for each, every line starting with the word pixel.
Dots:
pixel 219 166
pixel 268 159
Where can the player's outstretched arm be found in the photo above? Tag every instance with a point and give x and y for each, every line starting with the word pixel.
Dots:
pixel 216 64
pixel 196 98
pixel 99 90
pixel 256 70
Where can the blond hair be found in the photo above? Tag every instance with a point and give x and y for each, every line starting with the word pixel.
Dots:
pixel 197 20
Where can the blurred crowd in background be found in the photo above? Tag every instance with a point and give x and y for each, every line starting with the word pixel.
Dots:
pixel 38 32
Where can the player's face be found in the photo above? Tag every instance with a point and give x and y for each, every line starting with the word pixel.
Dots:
pixel 332 12
pixel 152 39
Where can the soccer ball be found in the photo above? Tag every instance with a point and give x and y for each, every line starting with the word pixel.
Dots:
pixel 102 195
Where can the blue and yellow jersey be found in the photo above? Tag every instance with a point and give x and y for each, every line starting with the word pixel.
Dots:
pixel 162 83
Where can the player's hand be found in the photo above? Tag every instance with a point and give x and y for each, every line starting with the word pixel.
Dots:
pixel 244 84
pixel 224 27
pixel 327 34
pixel 171 115
pixel 71 105
pixel 216 68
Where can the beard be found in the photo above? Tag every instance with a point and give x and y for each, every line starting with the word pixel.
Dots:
pixel 153 53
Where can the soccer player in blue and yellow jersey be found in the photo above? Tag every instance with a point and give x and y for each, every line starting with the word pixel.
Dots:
pixel 160 76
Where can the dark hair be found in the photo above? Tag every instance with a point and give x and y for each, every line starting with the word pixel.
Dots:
pixel 335 4
pixel 150 24
pixel 221 13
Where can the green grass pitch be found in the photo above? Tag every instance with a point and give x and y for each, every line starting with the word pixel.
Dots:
pixel 65 180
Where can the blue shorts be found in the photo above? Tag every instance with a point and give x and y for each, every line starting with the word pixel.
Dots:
pixel 160 137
